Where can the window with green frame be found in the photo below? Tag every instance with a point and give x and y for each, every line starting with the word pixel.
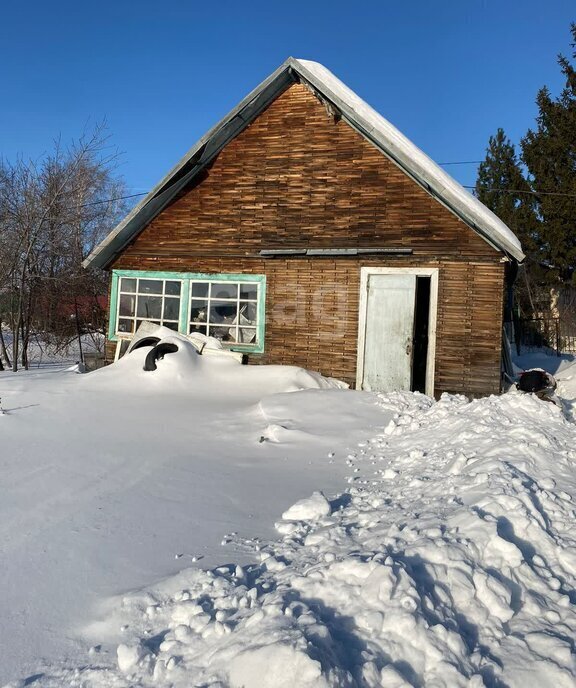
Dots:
pixel 152 299
pixel 225 310
pixel 229 307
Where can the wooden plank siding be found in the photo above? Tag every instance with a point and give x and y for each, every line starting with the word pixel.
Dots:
pixel 298 178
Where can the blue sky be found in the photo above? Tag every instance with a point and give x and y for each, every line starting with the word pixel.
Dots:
pixel 446 73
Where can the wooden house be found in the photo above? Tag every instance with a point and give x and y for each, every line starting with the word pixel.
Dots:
pixel 305 229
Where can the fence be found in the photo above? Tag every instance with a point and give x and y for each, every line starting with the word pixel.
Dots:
pixel 554 333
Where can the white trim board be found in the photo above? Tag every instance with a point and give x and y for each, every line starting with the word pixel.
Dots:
pixel 365 273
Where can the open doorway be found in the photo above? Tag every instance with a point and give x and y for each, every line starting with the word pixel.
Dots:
pixel 396 338
pixel 420 336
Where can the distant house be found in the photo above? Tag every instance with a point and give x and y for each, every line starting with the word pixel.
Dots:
pixel 305 229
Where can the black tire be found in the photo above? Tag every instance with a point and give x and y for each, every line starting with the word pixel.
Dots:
pixel 533 381
pixel 145 341
pixel 158 352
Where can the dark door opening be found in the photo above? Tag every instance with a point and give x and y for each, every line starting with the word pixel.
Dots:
pixel 420 341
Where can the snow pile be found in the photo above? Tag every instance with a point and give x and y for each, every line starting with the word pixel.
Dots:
pixel 309 509
pixel 450 561
pixel 566 379
pixel 188 370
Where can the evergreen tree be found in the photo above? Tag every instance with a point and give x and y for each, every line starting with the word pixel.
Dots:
pixel 549 153
pixel 502 187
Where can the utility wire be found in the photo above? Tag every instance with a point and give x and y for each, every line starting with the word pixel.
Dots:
pixel 524 191
pixel 104 200
pixel 123 198
pixel 465 162
pixel 108 200
pixel 471 162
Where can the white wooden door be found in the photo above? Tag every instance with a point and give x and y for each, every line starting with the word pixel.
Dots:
pixel 389 332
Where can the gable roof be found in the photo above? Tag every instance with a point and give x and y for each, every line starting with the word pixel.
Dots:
pixel 357 113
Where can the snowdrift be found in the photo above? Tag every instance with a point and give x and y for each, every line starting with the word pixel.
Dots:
pixel 450 561
pixel 189 370
pixel 567 390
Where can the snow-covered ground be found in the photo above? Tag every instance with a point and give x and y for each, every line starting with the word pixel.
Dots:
pixel 199 526
pixel 43 353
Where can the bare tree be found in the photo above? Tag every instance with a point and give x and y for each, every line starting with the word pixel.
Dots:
pixel 52 214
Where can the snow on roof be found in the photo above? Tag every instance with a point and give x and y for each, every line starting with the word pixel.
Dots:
pixel 357 113
pixel 412 158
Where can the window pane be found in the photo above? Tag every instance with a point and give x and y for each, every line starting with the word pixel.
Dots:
pixel 247 335
pixel 149 307
pixel 225 310
pixel 200 289
pixel 150 286
pixel 154 322
pixel 125 326
pixel 128 285
pixel 198 310
pixel 222 311
pixel 248 313
pixel 127 305
pixel 225 334
pixel 172 326
pixel 249 291
pixel 224 290
pixel 171 308
pixel 172 288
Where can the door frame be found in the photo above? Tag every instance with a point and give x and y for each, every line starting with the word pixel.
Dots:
pixel 365 273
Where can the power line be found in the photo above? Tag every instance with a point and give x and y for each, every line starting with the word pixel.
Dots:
pixel 465 162
pixel 144 193
pixel 470 162
pixel 107 200
pixel 104 200
pixel 524 191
